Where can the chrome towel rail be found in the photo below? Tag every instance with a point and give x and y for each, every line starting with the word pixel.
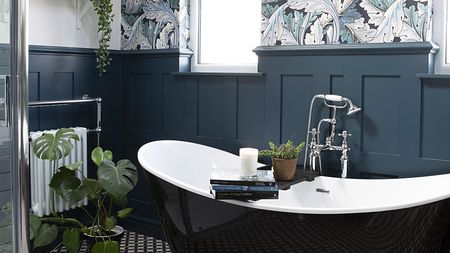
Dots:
pixel 85 100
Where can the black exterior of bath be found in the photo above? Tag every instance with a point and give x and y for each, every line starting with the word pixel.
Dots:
pixel 194 223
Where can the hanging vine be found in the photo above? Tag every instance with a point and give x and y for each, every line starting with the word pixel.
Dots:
pixel 104 9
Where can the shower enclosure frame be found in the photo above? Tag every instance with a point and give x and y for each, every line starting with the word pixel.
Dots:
pixel 18 125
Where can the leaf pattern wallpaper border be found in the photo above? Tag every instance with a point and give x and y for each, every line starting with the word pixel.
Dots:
pixel 303 22
pixel 161 24
pixel 154 24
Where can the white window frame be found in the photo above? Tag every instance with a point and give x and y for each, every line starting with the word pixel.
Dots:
pixel 195 43
pixel 439 23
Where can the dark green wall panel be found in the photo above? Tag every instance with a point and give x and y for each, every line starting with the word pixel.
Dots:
pixel 401 130
pixel 381 115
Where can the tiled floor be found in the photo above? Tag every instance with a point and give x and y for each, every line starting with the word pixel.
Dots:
pixel 133 242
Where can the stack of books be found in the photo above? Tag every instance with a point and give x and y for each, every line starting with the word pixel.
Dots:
pixel 226 183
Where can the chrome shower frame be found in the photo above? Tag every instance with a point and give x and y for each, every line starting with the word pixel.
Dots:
pixel 18 125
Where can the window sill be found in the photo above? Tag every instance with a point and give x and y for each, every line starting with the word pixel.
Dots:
pixel 257 74
pixel 433 76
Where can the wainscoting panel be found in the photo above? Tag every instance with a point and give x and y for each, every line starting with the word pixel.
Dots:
pixel 382 78
pixel 173 108
pixel 141 95
pixel 401 130
pixel 381 117
pixel 435 121
pixel 296 94
pixel 210 107
pixel 250 108
pixel 153 108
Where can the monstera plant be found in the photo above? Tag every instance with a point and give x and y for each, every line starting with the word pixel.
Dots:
pixel 114 181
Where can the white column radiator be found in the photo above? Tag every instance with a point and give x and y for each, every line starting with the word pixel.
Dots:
pixel 41 174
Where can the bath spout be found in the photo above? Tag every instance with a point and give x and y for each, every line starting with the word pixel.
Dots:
pixel 314 147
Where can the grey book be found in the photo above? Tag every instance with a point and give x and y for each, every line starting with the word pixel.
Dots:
pixel 231 176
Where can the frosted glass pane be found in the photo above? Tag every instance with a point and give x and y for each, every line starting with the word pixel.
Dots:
pixel 4 21
pixel 229 31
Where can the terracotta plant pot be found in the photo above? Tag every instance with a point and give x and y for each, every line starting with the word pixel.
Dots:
pixel 284 170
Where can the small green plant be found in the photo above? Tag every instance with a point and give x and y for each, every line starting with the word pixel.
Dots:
pixel 113 183
pixel 285 151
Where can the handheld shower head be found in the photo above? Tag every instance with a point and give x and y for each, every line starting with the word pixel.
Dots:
pixel 333 98
pixel 352 109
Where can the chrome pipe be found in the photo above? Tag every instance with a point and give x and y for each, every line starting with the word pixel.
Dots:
pixel 99 120
pixel 20 177
pixel 311 105
pixel 84 100
pixel 327 99
pixel 63 102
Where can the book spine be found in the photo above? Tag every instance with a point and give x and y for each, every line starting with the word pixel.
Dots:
pixel 246 183
pixel 221 187
pixel 246 195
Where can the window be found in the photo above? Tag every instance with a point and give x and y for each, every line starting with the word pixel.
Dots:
pixel 224 33
pixel 441 35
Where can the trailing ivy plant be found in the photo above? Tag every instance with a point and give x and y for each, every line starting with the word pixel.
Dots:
pixel 104 9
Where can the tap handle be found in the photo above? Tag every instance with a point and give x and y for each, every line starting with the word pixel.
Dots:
pixel 345 134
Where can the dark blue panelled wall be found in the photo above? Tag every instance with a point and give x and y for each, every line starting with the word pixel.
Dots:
pixel 401 131
pixel 62 73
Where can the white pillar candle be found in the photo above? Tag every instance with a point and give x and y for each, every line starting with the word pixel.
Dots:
pixel 249 159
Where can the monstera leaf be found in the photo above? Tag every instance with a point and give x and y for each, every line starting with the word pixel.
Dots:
pixel 35 224
pixel 67 185
pixel 47 234
pixel 71 239
pixel 106 247
pixel 54 146
pixel 117 180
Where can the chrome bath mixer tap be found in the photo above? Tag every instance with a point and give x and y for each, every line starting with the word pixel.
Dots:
pixel 314 148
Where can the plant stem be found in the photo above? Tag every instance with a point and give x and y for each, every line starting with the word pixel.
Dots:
pixel 89 214
pixel 110 206
pixel 53 191
pixel 63 221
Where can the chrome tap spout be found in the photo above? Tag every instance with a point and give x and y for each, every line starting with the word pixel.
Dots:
pixel 313 148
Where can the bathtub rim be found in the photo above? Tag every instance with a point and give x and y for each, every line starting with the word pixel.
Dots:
pixel 276 205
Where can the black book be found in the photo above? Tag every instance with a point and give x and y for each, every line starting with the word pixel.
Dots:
pixel 253 194
pixel 231 176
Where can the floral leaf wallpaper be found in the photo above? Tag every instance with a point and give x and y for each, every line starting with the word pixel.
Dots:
pixel 302 22
pixel 160 24
pixel 154 24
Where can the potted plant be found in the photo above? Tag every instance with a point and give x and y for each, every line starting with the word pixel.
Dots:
pixel 284 159
pixel 114 181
